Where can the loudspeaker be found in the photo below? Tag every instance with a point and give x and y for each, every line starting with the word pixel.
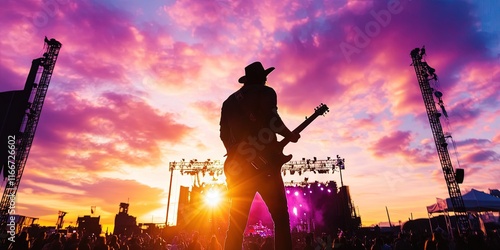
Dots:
pixel 459 175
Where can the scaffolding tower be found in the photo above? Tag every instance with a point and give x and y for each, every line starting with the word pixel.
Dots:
pixel 20 141
pixel 426 74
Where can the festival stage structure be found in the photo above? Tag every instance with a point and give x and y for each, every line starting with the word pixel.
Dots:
pixel 125 224
pixel 314 206
pixel 19 115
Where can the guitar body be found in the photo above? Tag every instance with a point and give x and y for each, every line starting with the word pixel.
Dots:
pixel 250 159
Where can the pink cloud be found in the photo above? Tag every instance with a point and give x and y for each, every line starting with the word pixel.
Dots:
pixel 210 110
pixel 398 143
pixel 496 139
pixel 392 143
pixel 119 129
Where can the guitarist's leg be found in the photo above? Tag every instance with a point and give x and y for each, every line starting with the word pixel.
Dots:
pixel 273 193
pixel 241 200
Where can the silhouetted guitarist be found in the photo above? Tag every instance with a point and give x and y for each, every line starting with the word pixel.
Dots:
pixel 248 127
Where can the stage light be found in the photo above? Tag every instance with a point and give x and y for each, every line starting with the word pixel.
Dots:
pixel 213 197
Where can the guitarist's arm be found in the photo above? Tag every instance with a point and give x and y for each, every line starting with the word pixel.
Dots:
pixel 269 105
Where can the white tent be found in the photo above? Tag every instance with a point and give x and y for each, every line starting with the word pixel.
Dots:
pixel 474 201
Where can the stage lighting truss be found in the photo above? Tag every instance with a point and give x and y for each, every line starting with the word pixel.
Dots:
pixel 314 165
pixel 326 185
pixel 193 167
pixel 215 168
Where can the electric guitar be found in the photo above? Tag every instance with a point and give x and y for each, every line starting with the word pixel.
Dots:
pixel 264 157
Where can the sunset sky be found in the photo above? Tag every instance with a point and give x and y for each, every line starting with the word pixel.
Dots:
pixel 139 84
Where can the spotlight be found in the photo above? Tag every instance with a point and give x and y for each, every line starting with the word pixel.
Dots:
pixel 213 197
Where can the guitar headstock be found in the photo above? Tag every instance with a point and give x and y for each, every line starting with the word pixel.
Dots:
pixel 321 109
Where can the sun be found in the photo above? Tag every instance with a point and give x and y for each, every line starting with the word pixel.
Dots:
pixel 213 197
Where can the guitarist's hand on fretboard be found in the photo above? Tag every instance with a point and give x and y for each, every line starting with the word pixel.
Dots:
pixel 294 137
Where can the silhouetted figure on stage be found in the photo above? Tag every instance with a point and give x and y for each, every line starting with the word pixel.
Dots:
pixel 248 126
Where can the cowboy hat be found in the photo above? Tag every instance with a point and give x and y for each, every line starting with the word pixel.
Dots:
pixel 255 71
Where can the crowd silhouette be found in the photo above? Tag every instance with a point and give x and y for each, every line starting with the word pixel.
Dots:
pixel 437 240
